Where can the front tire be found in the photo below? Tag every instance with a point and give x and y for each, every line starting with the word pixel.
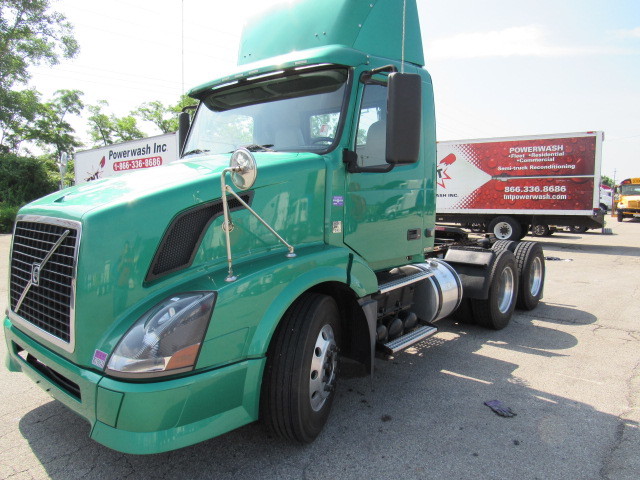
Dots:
pixel 578 229
pixel 620 216
pixel 298 386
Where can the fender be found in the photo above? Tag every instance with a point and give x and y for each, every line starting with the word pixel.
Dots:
pixel 273 283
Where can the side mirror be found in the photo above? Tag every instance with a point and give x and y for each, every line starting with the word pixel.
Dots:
pixel 183 129
pixel 404 116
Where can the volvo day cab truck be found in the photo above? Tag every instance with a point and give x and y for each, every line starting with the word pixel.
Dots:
pixel 172 305
pixel 507 186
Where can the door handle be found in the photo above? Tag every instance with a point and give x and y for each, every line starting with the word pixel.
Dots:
pixel 413 234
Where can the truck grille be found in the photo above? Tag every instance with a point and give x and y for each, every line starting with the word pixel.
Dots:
pixel 43 263
pixel 634 204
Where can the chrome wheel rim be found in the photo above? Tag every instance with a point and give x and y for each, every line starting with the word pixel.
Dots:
pixel 324 363
pixel 535 277
pixel 505 290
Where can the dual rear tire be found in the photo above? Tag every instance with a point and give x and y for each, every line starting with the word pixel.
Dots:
pixel 516 281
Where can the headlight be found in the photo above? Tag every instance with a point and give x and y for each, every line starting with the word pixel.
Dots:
pixel 166 339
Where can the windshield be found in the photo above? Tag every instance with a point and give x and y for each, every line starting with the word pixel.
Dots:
pixel 630 189
pixel 297 112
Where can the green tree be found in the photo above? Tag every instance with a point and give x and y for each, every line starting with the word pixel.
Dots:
pixel 607 181
pixel 30 34
pixel 162 116
pixel 51 130
pixel 18 109
pixel 107 129
pixel 23 179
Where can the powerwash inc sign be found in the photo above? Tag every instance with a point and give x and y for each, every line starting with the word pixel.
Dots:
pixel 125 157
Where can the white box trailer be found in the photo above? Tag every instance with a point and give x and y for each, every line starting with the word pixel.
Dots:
pixel 507 186
pixel 121 158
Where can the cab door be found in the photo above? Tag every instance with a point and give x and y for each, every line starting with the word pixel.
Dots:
pixel 383 218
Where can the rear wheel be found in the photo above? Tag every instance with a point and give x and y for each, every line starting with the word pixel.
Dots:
pixel 495 311
pixel 501 245
pixel 300 376
pixel 505 228
pixel 540 230
pixel 531 268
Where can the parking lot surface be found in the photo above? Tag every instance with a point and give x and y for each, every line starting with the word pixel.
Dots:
pixel 569 369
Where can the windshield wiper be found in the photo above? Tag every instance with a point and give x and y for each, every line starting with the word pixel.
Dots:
pixel 258 148
pixel 196 151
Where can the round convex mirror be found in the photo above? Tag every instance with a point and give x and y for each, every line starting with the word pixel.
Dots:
pixel 245 163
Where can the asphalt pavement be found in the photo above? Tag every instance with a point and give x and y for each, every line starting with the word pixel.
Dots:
pixel 569 369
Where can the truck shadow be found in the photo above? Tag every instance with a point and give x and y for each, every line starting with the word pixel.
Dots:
pixel 422 416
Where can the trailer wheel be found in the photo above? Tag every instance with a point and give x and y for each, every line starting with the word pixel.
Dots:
pixel 300 376
pixel 495 312
pixel 505 228
pixel 531 268
pixel 578 229
pixel 541 230
pixel 501 245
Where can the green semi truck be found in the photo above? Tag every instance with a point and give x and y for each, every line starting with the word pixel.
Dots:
pixel 173 305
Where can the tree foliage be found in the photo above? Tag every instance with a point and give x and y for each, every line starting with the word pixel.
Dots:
pixel 51 130
pixel 162 116
pixel 106 129
pixel 23 179
pixel 30 34
pixel 607 181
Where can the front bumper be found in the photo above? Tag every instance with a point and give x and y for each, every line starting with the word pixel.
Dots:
pixel 629 211
pixel 143 418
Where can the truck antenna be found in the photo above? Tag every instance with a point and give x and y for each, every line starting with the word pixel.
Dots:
pixel 404 22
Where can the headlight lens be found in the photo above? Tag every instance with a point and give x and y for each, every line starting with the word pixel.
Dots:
pixel 166 339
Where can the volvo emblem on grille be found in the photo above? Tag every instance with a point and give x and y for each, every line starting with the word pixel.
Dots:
pixel 35 274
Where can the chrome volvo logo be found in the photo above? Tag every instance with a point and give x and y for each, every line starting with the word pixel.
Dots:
pixel 35 274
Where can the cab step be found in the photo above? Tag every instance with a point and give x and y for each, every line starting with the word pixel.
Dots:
pixel 408 339
pixel 404 281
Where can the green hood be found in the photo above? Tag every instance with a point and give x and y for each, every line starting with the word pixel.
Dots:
pixel 124 220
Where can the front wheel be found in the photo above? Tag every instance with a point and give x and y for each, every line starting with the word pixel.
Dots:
pixel 300 376
pixel 620 216
pixel 578 229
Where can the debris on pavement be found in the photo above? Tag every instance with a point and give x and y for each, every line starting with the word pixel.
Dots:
pixel 500 408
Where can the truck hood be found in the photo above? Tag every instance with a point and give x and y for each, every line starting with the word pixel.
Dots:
pixel 125 219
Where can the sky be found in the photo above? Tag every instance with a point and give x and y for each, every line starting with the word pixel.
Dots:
pixel 500 67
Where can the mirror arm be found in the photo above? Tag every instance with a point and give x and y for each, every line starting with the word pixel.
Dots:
pixel 350 158
pixel 227 225
pixel 366 77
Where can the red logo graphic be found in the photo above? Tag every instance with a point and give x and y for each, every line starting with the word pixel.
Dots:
pixel 441 170
pixel 95 175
